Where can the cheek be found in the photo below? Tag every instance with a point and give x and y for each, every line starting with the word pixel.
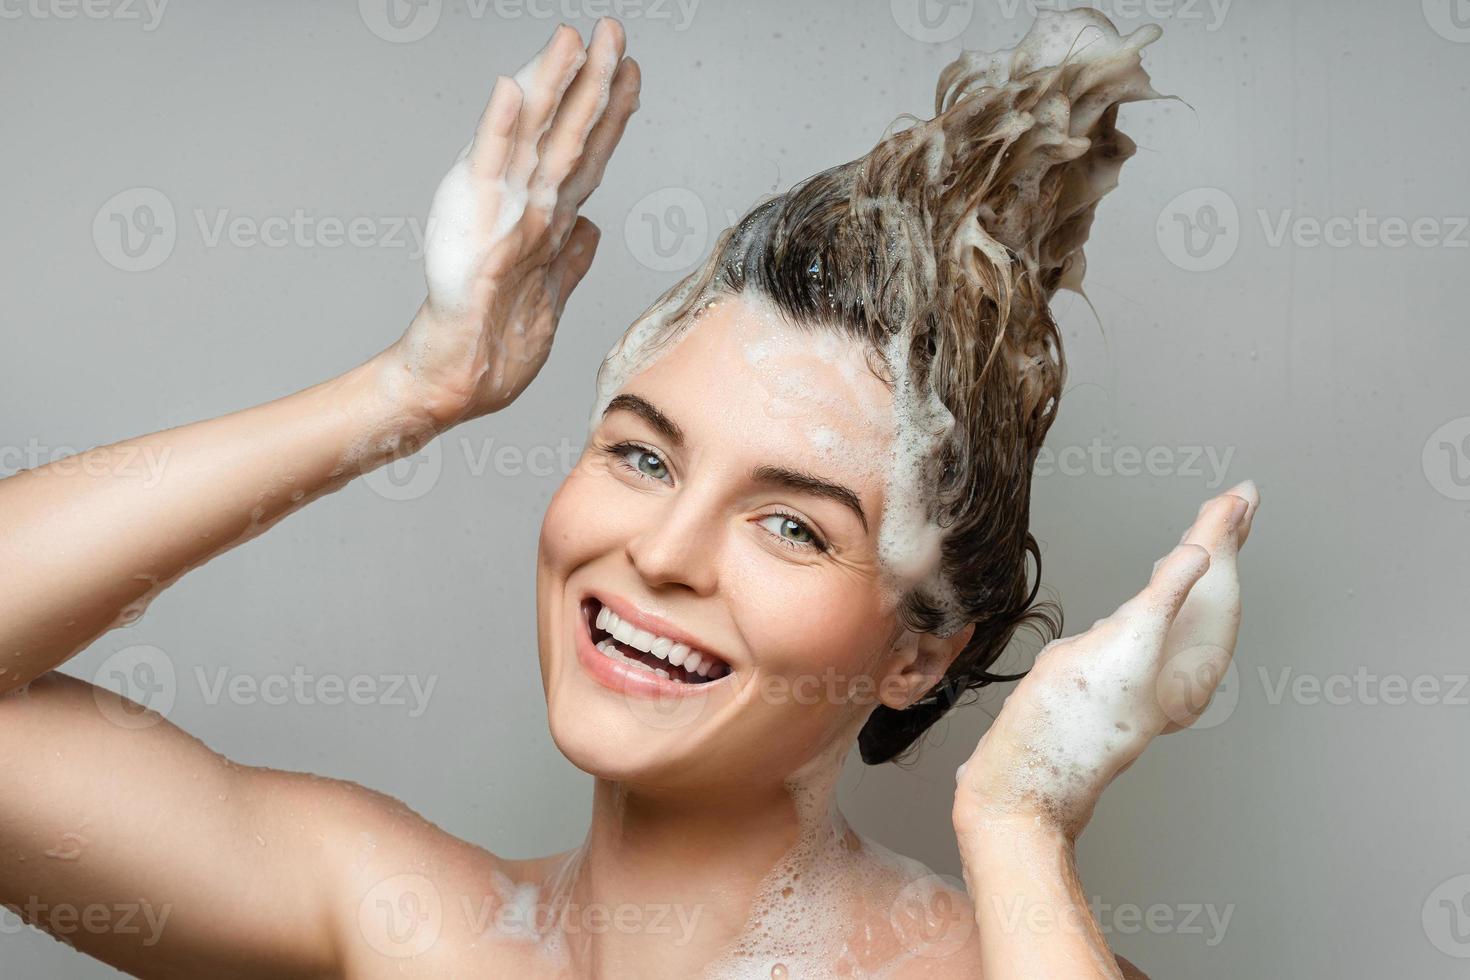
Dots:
pixel 819 623
pixel 579 524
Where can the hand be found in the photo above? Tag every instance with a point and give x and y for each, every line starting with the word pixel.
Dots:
pixel 505 246
pixel 1094 701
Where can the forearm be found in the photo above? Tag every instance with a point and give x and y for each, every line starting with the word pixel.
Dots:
pixel 85 542
pixel 1033 916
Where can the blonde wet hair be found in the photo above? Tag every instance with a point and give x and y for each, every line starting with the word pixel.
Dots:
pixel 940 250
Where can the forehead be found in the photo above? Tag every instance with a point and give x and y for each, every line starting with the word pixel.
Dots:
pixel 741 373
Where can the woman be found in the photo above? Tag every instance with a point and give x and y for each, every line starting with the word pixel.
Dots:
pixel 799 522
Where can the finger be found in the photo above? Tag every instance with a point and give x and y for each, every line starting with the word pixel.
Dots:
pixel 1201 642
pixel 1251 494
pixel 583 106
pixel 622 103
pixel 495 135
pixel 544 79
pixel 1214 529
pixel 575 258
pixel 1210 615
pixel 1155 607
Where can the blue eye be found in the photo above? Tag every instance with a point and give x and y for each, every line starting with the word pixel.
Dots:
pixel 651 465
pixel 791 531
pixel 643 461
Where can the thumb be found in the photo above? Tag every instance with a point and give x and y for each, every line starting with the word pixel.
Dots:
pixel 573 261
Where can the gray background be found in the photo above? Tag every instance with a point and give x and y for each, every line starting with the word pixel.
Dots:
pixel 1331 827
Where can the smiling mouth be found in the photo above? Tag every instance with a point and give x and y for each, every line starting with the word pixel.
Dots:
pixel 620 640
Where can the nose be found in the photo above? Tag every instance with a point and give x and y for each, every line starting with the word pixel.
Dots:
pixel 677 545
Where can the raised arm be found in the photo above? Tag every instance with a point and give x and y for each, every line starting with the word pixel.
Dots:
pixel 85 542
pixel 1084 714
pixel 103 805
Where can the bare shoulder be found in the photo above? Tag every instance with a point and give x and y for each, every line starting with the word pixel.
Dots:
pixel 919 924
pixel 412 899
pixel 932 923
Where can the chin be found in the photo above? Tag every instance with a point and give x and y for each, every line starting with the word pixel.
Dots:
pixel 625 714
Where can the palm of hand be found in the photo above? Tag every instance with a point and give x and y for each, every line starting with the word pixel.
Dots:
pixel 1094 701
pixel 504 245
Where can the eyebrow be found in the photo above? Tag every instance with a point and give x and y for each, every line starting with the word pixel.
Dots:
pixel 807 483
pixel 645 410
pixel 779 476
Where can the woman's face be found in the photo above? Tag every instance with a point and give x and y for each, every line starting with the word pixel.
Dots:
pixel 727 505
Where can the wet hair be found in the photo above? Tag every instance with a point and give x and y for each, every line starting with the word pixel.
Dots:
pixel 945 244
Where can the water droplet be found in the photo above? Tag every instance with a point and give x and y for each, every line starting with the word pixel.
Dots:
pixel 779 972
pixel 70 848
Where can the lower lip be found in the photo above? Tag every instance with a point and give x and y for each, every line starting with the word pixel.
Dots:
pixel 617 675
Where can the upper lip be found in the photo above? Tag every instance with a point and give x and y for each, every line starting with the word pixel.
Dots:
pixel 644 620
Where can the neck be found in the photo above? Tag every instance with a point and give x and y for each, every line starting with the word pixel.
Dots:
pixel 685 871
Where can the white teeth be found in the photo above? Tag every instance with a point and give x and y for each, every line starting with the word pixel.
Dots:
pixel 661 672
pixel 677 654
